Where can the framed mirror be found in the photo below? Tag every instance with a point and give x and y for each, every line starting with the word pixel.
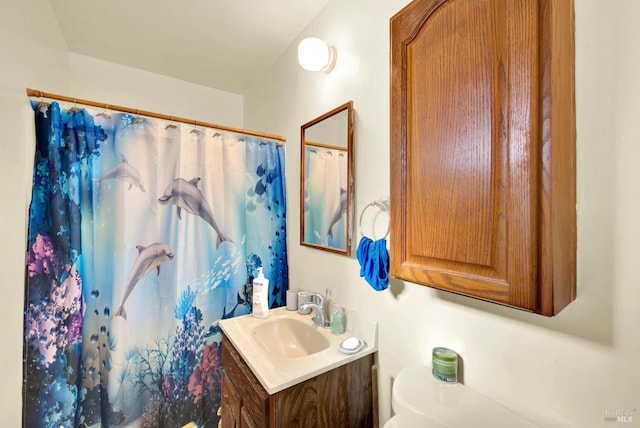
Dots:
pixel 326 181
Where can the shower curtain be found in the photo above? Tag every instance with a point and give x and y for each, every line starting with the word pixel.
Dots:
pixel 142 235
pixel 325 197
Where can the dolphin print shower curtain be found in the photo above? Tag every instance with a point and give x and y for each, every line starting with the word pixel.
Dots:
pixel 142 235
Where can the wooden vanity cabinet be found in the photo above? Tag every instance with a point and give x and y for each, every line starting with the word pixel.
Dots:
pixel 231 403
pixel 483 199
pixel 341 397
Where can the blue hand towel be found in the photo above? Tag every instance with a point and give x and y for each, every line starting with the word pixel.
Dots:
pixel 374 262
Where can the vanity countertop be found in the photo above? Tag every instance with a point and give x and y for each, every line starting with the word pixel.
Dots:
pixel 277 373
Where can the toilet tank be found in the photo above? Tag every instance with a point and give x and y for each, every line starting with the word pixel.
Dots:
pixel 415 390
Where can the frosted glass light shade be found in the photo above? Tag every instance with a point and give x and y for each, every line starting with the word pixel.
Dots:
pixel 315 55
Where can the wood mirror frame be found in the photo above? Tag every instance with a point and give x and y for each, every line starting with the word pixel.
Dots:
pixel 326 181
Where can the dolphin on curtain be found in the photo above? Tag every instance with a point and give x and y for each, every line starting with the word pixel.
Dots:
pixel 340 210
pixel 149 258
pixel 125 172
pixel 185 194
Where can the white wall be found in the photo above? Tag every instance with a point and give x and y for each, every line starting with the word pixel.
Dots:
pixel 564 371
pixel 33 54
pixel 115 84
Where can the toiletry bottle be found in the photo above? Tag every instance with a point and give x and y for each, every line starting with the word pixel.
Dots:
pixel 337 319
pixel 260 295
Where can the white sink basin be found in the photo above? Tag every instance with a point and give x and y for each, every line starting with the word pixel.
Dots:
pixel 287 348
pixel 289 338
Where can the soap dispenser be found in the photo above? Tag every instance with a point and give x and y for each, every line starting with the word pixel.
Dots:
pixel 260 295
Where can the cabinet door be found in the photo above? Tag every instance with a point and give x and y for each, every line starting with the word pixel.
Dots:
pixel 231 403
pixel 482 165
pixel 253 396
pixel 246 421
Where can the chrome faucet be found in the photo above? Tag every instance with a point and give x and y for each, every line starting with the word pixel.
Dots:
pixel 317 304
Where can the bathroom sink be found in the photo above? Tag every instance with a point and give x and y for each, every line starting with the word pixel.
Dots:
pixel 289 338
pixel 288 348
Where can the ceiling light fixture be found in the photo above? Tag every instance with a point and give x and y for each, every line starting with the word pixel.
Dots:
pixel 315 55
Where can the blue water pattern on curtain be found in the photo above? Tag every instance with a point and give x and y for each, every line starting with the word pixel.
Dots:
pixel 142 235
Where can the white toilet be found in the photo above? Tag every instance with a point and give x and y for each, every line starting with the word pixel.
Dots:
pixel 412 420
pixel 419 400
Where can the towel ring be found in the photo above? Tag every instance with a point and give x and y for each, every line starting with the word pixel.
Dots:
pixel 384 208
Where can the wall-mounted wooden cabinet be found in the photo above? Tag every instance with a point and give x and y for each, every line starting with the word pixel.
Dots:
pixel 483 150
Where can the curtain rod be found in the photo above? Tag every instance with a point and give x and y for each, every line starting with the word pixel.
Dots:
pixel 41 94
